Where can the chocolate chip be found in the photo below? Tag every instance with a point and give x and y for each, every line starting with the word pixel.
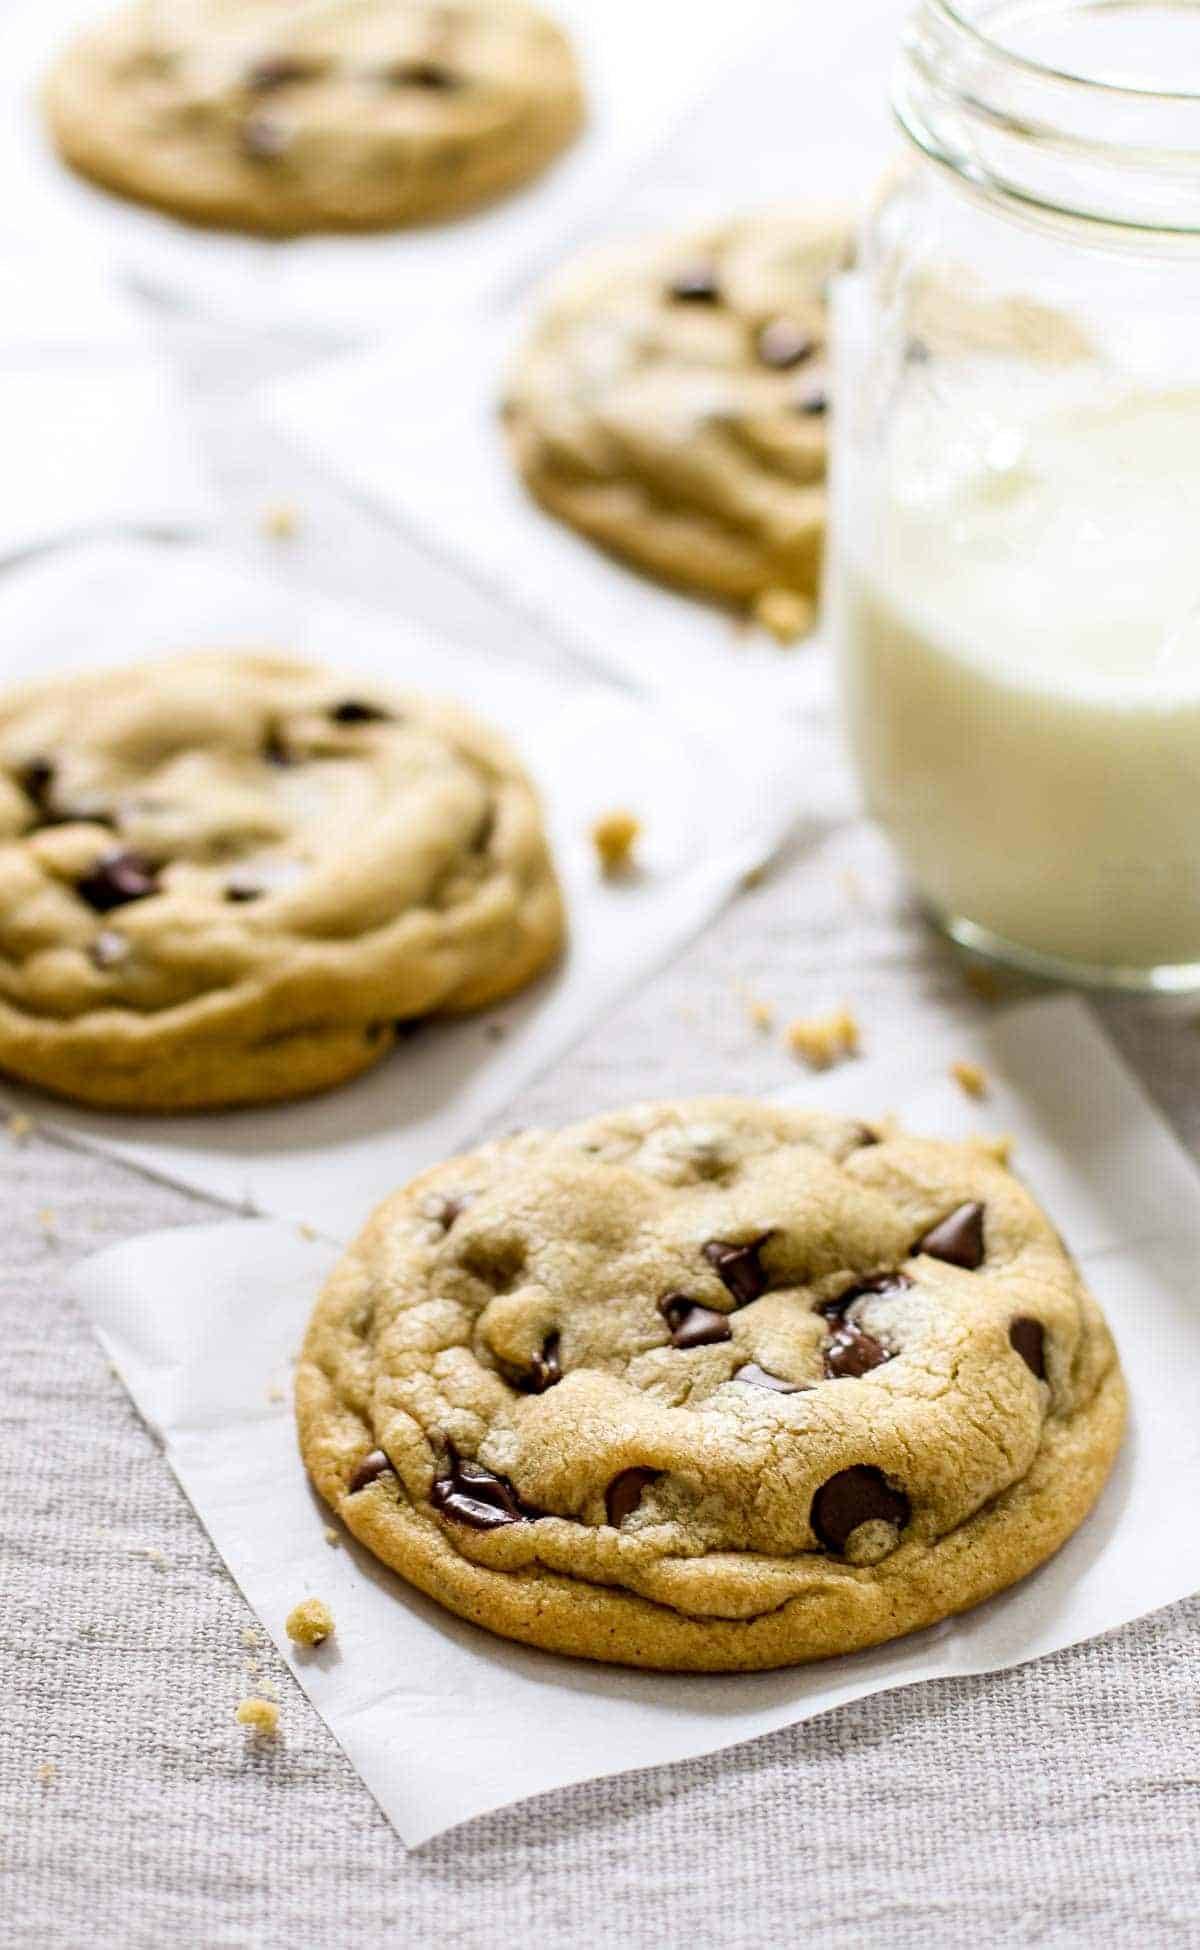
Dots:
pixel 958 1238
pixel 852 1352
pixel 264 139
pixel 369 1470
pixel 856 1495
pixel 875 1283
pixel 451 1209
pixel 784 344
pixel 691 1324
pixel 242 890
pixel 624 1493
pixel 813 401
pixel 543 1371
pixel 865 1136
pixel 696 285
pixel 352 710
pixel 422 74
pixel 109 949
pixel 756 1377
pixel 1028 1337
pixel 471 1494
pixel 116 879
pixel 739 1268
pixel 35 778
pixel 275 747
pixel 280 71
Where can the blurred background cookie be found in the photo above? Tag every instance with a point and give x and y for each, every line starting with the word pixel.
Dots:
pixel 267 117
pixel 671 404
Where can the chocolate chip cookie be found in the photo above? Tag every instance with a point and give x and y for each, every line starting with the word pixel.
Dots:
pixel 266 116
pixel 712 1385
pixel 672 405
pixel 226 879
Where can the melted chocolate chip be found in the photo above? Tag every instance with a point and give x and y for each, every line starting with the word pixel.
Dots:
pixel 243 890
pixel 280 71
pixel 874 1284
pixel 1028 1337
pixel 812 399
pixel 264 139
pixel 109 949
pixel 696 285
pixel 852 1352
pixel 739 1268
pixel 423 74
pixel 856 1495
pixel 624 1493
pixel 756 1377
pixel 353 710
pixel 691 1324
pixel 784 344
pixel 372 1466
pixel 958 1238
pixel 275 748
pixel 471 1494
pixel 35 779
pixel 116 879
pixel 543 1371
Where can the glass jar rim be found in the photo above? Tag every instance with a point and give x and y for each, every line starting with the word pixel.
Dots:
pixel 1050 70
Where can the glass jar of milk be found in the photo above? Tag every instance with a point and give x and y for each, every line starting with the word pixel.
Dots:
pixel 1015 577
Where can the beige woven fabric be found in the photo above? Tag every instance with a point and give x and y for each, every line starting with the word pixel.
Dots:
pixel 1054 1805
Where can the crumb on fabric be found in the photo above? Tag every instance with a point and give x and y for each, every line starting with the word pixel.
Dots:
pixel 152 1555
pixel 309 1623
pixel 47 1773
pixel 614 836
pixel 281 521
pixel 19 1126
pixel 785 614
pixel 261 1715
pixel 970 1078
pixel 276 1394
pixel 761 1014
pixel 305 1230
pixel 821 1041
pixel 332 1538
pixel 250 1637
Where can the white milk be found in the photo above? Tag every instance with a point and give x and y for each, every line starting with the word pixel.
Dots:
pixel 1021 644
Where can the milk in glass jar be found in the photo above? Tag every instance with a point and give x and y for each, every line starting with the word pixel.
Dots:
pixel 1015 580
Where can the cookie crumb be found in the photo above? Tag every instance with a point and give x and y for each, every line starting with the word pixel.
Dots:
pixel 755 877
pixel 260 1714
pixel 305 1230
pixel 761 1014
pixel 19 1127
pixel 333 1539
pixel 276 1394
pixel 821 1041
pixel 1000 1148
pixel 47 1773
pixel 281 521
pixel 614 837
pixel 152 1555
pixel 309 1623
pixel 784 613
pixel 971 1080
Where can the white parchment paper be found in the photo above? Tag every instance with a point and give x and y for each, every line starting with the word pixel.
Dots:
pixel 643 61
pixel 712 806
pixel 96 432
pixel 442 1720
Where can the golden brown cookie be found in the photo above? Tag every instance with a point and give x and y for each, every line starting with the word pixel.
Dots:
pixel 712 1385
pixel 226 879
pixel 278 117
pixel 671 404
